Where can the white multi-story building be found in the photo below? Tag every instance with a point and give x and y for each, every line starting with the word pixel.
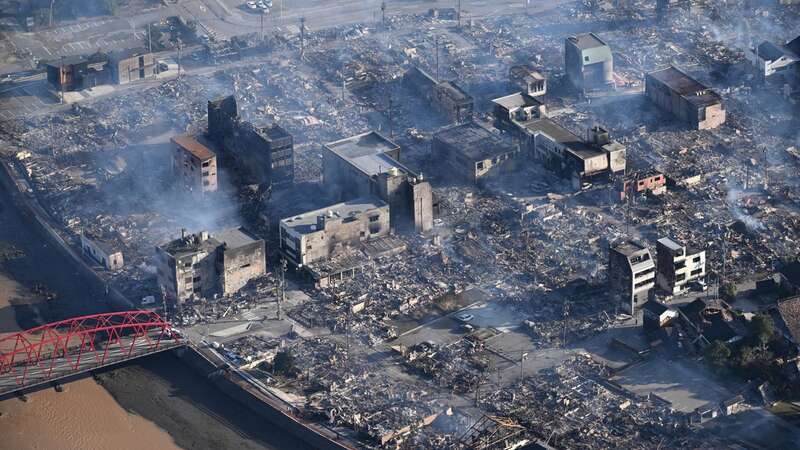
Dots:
pixel 677 266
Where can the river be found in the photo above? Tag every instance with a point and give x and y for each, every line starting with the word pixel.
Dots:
pixel 153 403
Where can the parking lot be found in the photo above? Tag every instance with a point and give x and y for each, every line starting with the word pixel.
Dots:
pixel 25 98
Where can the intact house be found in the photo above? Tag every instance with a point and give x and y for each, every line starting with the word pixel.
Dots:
pixel 201 265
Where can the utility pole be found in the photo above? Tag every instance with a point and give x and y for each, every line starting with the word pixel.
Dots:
pixel 180 48
pixel 383 14
pixel 149 39
pixel 391 128
pixel 458 14
pixel 262 25
pixel 51 13
pixel 61 79
pixel 522 366
pixel 302 36
pixel 566 317
pixel 436 44
pixel 282 297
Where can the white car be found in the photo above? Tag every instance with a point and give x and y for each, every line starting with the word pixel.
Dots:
pixel 464 317
pixel 252 5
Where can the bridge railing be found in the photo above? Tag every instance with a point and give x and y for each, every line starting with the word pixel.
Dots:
pixel 61 348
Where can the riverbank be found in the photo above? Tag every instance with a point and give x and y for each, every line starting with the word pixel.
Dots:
pixel 159 404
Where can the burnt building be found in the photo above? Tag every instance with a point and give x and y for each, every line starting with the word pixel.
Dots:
pixel 589 62
pixel 130 65
pixel 261 155
pixel 369 165
pixel 582 161
pixel 645 181
pixel 777 63
pixel 194 164
pixel 74 73
pixel 101 250
pixel 313 236
pixel 631 275
pixel 529 81
pixel 684 97
pixel 472 153
pixel 446 96
pixel 513 110
pixel 201 265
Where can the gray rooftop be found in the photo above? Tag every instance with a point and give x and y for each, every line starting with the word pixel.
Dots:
pixel 686 86
pixel 587 41
pixel 670 244
pixel 475 142
pixel 235 238
pixel 518 100
pixel 575 144
pixel 629 248
pixel 367 152
pixel 306 223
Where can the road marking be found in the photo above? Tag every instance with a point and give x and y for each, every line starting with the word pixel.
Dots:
pixel 49 53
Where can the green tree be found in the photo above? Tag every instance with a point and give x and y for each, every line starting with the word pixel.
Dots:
pixel 717 353
pixel 283 363
pixel 763 328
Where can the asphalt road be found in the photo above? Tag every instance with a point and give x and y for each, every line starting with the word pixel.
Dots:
pixel 226 18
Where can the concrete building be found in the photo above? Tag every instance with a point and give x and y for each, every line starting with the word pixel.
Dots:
pixel 685 98
pixel 102 251
pixel 588 62
pixel 529 81
pixel 446 96
pixel 313 236
pixel 513 110
pixel 130 65
pixel 260 155
pixel 582 161
pixel 194 164
pixel 368 165
pixel 657 315
pixel 201 265
pixel 631 275
pixel 678 266
pixel 472 153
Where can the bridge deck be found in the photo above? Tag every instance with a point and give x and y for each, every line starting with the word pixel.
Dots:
pixel 41 373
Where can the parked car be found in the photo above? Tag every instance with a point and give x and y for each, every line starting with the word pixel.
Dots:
pixel 464 317
pixel 252 5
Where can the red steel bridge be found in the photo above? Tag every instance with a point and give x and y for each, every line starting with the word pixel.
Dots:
pixel 62 349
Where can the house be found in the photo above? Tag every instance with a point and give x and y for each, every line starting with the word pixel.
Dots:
pixel 102 251
pixel 530 81
pixel 130 65
pixel 657 315
pixel 74 73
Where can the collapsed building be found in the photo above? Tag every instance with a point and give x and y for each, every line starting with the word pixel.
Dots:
pixel 678 265
pixel 631 275
pixel 194 164
pixel 529 81
pixel 368 165
pixel 313 236
pixel 472 153
pixel 447 96
pixel 589 62
pixel 261 155
pixel 645 181
pixel 201 265
pixel 685 98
